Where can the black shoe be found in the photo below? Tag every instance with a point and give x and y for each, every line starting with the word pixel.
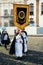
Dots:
pixel 19 58
pixel 25 52
pixel 0 45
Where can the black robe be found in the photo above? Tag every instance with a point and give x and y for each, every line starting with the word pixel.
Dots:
pixel 12 48
pixel 23 39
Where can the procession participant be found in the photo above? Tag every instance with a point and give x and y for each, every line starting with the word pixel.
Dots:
pixel 6 39
pixel 18 44
pixel 2 36
pixel 12 47
pixel 24 34
pixel 0 39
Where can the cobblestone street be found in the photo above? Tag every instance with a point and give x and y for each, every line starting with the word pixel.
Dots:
pixel 33 57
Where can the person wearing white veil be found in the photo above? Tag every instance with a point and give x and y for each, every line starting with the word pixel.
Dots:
pixel 18 44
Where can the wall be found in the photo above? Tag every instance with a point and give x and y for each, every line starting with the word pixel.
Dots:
pixel 33 16
pixel 40 16
pixel 30 30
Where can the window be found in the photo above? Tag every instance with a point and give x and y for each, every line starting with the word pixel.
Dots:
pixel 5 12
pixel 6 24
pixel 11 23
pixel 42 8
pixel 31 9
pixel 31 22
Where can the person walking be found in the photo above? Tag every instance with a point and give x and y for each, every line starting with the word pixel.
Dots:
pixel 18 44
pixel 6 39
pixel 24 34
pixel 12 47
pixel 0 40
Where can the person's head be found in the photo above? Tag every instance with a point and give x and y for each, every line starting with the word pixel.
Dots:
pixel 17 30
pixel 5 31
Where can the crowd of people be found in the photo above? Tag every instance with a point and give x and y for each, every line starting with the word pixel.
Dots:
pixel 19 43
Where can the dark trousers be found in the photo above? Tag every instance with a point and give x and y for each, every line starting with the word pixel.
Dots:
pixel 6 43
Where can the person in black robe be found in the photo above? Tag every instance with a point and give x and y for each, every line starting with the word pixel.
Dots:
pixel 2 36
pixel 24 37
pixel 12 47
pixel 5 39
pixel 0 40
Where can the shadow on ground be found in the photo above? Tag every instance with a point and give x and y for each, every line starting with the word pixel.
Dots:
pixel 31 58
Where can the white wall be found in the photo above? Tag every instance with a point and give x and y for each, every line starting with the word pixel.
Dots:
pixel 33 16
pixel 30 30
pixel 3 7
pixel 40 16
pixel 10 30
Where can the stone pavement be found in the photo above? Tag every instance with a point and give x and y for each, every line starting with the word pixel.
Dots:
pixel 33 57
pixel 35 43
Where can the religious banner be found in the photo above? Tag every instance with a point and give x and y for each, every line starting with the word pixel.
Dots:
pixel 21 15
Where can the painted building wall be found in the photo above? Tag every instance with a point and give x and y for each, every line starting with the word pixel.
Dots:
pixel 31 29
pixel 40 15
pixel 2 8
pixel 33 16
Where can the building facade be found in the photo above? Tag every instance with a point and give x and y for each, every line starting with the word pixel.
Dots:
pixel 35 17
